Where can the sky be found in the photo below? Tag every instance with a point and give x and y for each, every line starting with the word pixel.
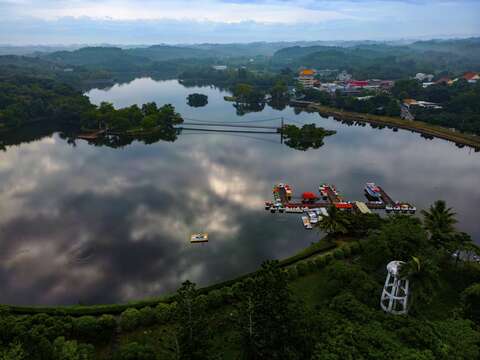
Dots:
pixel 48 22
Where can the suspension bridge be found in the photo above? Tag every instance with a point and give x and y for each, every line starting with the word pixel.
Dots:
pixel 240 127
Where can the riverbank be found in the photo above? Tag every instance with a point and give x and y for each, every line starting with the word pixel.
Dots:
pixel 415 126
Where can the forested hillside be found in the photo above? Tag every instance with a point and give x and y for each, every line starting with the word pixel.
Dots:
pixel 385 61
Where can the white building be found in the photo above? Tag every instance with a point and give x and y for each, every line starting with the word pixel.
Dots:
pixel 424 77
pixel 344 76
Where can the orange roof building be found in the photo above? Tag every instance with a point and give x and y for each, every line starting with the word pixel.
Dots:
pixel 307 72
pixel 306 77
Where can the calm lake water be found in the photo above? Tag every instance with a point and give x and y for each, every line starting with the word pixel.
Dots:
pixel 95 224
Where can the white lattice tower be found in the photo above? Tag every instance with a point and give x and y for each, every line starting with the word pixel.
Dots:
pixel 394 298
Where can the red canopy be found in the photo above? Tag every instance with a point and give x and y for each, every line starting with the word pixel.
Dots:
pixel 309 196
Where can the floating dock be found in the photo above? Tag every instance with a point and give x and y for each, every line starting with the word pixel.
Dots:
pixel 362 207
pixel 315 207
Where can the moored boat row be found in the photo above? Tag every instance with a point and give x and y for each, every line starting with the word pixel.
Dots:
pixel 314 207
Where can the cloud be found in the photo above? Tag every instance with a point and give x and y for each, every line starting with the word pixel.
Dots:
pixel 148 21
pixel 207 10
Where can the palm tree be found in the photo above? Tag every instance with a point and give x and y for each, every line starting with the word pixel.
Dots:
pixel 423 275
pixel 440 222
pixel 335 223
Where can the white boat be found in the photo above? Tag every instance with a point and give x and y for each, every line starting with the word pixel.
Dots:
pixel 306 223
pixel 312 216
pixel 199 238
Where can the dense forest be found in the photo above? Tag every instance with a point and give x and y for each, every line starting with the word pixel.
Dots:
pixel 320 304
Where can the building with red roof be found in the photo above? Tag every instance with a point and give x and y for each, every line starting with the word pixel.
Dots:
pixel 471 76
pixel 358 83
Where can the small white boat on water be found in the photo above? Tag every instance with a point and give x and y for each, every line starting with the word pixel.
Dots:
pixel 306 223
pixel 199 238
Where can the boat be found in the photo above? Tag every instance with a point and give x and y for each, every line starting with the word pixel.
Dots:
pixel 323 191
pixel 312 217
pixel 282 192
pixel 373 190
pixel 199 238
pixel 344 206
pixel 324 211
pixel 306 223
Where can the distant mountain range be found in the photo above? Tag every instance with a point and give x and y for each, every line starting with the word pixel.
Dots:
pixel 219 50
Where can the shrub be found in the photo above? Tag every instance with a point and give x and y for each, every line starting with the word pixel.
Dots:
pixel 347 251
pixel 328 259
pixel 107 325
pixel 343 276
pixel 292 272
pixel 339 254
pixel 136 351
pixel 227 294
pixel 86 327
pixel 214 298
pixel 471 302
pixel 147 316
pixel 302 268
pixel 163 313
pixel 237 289
pixel 130 319
pixel 355 248
pixel 320 262
pixel 312 267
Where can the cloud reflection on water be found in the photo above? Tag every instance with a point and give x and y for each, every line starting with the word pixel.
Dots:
pixel 96 224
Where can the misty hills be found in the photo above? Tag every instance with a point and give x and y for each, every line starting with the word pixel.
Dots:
pixel 365 59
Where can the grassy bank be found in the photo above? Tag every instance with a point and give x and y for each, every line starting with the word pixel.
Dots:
pixel 416 126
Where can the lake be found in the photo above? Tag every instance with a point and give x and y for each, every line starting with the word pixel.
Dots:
pixel 87 224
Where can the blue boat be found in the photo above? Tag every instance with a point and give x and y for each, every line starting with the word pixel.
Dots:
pixel 373 190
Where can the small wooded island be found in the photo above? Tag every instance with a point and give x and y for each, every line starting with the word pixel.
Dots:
pixel 307 137
pixel 197 100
